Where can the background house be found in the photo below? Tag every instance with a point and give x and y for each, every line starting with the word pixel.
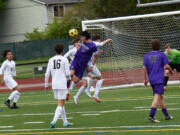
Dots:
pixel 22 16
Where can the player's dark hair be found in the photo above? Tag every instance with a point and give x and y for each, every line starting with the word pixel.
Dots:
pixel 86 34
pixel 96 37
pixel 59 48
pixel 156 44
pixel 76 40
pixel 168 46
pixel 5 52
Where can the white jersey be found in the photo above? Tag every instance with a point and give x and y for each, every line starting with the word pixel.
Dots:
pixel 8 68
pixel 71 53
pixel 98 44
pixel 58 67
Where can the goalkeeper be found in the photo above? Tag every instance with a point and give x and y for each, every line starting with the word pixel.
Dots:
pixel 174 58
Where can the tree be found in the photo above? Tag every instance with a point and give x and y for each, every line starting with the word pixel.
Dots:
pixel 2 3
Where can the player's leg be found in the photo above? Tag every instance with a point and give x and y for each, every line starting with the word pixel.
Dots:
pixel 16 98
pixel 90 82
pixel 80 91
pixel 60 110
pixel 12 84
pixel 164 110
pixel 166 78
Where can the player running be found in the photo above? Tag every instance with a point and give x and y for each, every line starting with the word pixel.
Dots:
pixel 8 76
pixel 58 67
pixel 93 74
pixel 174 58
pixel 82 58
pixel 153 68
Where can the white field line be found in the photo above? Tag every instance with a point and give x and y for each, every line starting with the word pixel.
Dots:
pixel 86 112
pixel 34 122
pixel 94 114
pixel 143 107
pixel 85 128
pixel 6 126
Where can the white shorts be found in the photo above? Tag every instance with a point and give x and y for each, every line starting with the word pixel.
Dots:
pixel 94 73
pixel 60 94
pixel 10 82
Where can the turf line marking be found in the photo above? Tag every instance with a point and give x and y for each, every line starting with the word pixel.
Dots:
pixel 95 114
pixel 87 112
pixel 85 128
pixel 6 126
pixel 35 122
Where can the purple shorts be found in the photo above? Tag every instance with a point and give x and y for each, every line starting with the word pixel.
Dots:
pixel 78 67
pixel 158 88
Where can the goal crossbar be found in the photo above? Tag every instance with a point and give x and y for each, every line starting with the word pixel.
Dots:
pixel 128 17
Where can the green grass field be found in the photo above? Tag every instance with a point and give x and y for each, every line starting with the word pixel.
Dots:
pixel 122 112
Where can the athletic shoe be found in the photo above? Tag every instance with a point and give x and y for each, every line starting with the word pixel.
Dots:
pixel 7 103
pixel 52 125
pixel 75 100
pixel 67 96
pixel 165 88
pixel 169 117
pixel 96 99
pixel 153 120
pixel 14 107
pixel 66 124
pixel 88 93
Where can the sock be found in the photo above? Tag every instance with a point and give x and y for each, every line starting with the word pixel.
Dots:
pixel 57 113
pixel 17 96
pixel 152 112
pixel 89 84
pixel 98 86
pixel 166 78
pixel 13 94
pixel 73 84
pixel 164 110
pixel 63 115
pixel 80 91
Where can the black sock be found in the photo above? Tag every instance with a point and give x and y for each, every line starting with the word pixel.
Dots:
pixel 14 104
pixel 166 78
pixel 8 101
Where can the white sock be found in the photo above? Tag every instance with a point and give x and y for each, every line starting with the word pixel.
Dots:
pixel 57 113
pixel 89 84
pixel 98 86
pixel 73 84
pixel 80 91
pixel 63 115
pixel 13 94
pixel 16 98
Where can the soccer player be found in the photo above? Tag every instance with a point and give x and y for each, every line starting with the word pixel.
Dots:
pixel 8 76
pixel 93 74
pixel 174 58
pixel 82 58
pixel 71 53
pixel 58 67
pixel 153 69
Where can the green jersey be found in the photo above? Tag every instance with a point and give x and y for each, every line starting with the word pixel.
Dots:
pixel 174 57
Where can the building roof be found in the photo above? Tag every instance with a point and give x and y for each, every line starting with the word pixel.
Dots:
pixel 49 2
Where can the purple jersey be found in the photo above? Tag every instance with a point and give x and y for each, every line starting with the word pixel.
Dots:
pixel 82 57
pixel 154 62
pixel 85 52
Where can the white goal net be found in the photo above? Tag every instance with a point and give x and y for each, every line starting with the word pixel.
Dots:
pixel 121 62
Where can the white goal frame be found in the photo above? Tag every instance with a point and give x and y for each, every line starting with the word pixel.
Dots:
pixel 99 26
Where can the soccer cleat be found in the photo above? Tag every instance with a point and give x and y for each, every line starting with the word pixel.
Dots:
pixel 169 117
pixel 7 103
pixel 67 96
pixel 52 125
pixel 75 100
pixel 96 99
pixel 14 107
pixel 66 124
pixel 165 88
pixel 153 120
pixel 88 93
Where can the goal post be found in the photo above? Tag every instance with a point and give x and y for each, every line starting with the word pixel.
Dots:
pixel 121 61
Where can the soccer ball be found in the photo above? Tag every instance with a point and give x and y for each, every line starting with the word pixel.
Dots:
pixel 73 32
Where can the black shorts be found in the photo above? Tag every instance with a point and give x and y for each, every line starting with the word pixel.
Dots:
pixel 175 66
